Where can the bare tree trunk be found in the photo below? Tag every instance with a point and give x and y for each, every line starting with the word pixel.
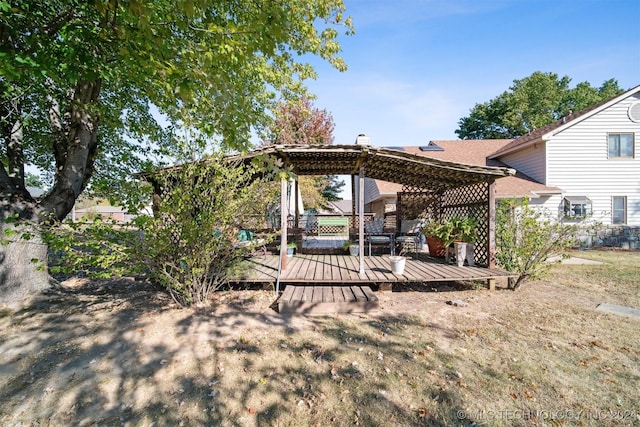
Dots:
pixel 23 255
pixel 23 259
pixel 75 151
pixel 23 269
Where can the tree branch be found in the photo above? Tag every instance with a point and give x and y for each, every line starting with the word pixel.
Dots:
pixel 80 144
pixel 58 21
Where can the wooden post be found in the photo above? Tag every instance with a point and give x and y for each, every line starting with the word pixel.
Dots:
pixel 283 223
pixel 491 284
pixel 361 219
pixel 353 201
pixel 491 224
pixel 297 190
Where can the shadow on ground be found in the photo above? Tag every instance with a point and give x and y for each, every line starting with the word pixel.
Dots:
pixel 120 353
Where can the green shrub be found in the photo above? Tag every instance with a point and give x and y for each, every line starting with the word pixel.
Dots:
pixel 526 237
pixel 189 246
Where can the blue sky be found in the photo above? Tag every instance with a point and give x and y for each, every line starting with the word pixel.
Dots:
pixel 417 66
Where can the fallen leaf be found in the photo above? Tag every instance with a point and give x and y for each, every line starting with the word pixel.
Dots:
pixel 600 345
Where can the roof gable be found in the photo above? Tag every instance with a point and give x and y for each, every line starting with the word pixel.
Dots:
pixel 474 152
pixel 546 132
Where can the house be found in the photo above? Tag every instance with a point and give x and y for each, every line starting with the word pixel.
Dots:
pixel 115 213
pixel 585 166
pixel 341 207
pixel 111 213
pixel 380 196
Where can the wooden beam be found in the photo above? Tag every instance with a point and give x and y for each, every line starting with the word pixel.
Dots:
pixel 361 159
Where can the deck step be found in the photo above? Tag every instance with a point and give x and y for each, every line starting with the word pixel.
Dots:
pixel 325 300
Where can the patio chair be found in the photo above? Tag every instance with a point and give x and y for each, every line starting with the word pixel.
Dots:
pixel 247 239
pixel 375 235
pixel 307 230
pixel 411 238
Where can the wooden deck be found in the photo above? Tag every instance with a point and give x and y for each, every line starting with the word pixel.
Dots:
pixel 320 300
pixel 344 269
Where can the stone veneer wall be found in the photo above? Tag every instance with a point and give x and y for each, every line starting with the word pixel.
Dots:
pixel 613 236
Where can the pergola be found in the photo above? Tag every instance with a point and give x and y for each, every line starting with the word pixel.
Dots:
pixel 446 188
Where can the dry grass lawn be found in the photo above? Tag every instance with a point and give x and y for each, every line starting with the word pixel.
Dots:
pixel 118 353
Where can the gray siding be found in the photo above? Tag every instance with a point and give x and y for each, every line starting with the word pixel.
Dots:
pixel 530 161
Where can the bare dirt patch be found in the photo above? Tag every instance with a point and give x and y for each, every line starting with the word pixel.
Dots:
pixel 121 353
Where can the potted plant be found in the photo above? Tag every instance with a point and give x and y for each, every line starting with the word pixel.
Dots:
pixel 438 235
pixel 353 248
pixel 444 233
pixel 463 235
pixel 463 229
pixel 291 247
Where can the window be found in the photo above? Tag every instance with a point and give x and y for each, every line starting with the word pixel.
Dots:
pixel 621 145
pixel 619 211
pixel 577 207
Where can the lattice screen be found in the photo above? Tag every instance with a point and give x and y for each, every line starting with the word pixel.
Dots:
pixel 471 201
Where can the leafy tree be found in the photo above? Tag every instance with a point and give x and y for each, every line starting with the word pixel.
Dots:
pixel 331 188
pixel 529 104
pixel 32 180
pixel 78 81
pixel 299 122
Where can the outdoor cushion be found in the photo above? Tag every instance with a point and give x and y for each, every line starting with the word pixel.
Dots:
pixel 411 226
pixel 245 235
pixel 374 227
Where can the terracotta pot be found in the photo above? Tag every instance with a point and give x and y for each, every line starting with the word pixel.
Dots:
pixel 436 248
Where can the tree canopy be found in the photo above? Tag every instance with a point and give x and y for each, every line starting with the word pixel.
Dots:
pixel 529 104
pixel 79 81
pixel 91 91
pixel 300 122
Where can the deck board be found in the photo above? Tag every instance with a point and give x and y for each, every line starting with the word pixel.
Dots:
pixel 327 300
pixel 296 265
pixel 344 269
pixel 297 292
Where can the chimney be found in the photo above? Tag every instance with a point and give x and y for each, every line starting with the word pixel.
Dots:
pixel 363 139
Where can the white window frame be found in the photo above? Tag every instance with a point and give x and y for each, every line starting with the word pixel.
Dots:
pixel 577 207
pixel 614 209
pixel 618 153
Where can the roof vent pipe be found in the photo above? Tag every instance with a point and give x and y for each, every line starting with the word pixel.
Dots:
pixel 363 139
